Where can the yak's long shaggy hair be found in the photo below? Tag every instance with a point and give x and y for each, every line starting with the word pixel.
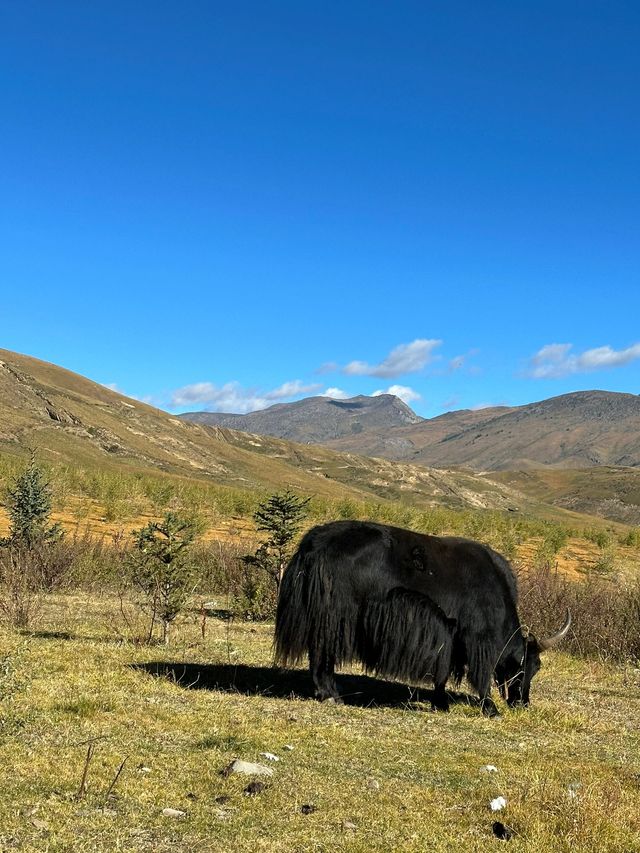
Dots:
pixel 406 605
pixel 405 635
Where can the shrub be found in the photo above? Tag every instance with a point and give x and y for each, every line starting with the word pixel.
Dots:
pixel 605 562
pixel 632 539
pixel 601 538
pixel 20 585
pixel 218 566
pixel 605 611
pixel 280 516
pixel 255 594
pixel 161 571
pixel 29 506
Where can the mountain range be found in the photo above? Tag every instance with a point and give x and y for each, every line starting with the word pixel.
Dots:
pixel 579 430
pixel 577 453
pixel 71 420
pixel 317 420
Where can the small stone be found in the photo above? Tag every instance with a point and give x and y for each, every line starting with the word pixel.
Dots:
pixel 39 824
pixel 254 788
pixel 269 756
pixel 191 796
pixel 288 747
pixel 222 800
pixel 498 804
pixel 173 813
pixel 489 768
pixel 248 768
pixel 373 784
pixel 348 826
pixel 308 808
pixel 143 769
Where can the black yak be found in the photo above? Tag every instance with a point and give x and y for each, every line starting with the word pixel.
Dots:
pixel 408 606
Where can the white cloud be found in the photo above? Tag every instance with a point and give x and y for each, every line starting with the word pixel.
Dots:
pixel 403 391
pixel 405 358
pixel 336 394
pixel 291 389
pixel 199 392
pixel 556 360
pixel 232 397
pixel 328 367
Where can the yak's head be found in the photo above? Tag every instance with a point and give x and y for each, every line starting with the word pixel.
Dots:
pixel 515 672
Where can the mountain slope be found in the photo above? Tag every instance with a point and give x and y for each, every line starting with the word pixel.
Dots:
pixel 579 430
pixel 612 493
pixel 317 419
pixel 71 419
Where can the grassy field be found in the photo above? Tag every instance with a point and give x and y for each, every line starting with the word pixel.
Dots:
pixel 382 773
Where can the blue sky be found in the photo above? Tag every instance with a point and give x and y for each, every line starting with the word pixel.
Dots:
pixel 228 205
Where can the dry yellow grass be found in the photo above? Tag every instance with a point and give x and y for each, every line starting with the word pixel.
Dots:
pixel 95 525
pixel 404 778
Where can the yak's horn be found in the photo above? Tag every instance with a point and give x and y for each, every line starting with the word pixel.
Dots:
pixel 549 642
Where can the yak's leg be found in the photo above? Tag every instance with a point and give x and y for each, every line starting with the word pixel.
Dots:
pixel 443 669
pixel 487 704
pixel 483 685
pixel 481 675
pixel 439 699
pixel 322 665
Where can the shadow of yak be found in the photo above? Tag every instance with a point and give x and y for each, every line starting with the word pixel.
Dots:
pixel 361 691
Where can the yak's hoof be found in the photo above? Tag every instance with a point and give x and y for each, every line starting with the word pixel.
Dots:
pixel 493 714
pixel 489 710
pixel 328 698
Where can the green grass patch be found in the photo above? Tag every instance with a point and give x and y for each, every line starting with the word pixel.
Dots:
pixel 406 779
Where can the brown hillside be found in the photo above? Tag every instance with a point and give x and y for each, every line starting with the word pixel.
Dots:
pixel 579 430
pixel 71 419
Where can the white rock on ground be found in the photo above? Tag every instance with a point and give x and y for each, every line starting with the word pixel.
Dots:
pixel 249 769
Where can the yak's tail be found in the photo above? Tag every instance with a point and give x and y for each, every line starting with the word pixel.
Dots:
pixel 302 597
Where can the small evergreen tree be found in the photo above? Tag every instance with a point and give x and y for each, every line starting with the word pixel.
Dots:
pixel 29 507
pixel 160 568
pixel 30 562
pixel 281 517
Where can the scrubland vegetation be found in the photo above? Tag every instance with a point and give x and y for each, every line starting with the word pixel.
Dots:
pixel 80 668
